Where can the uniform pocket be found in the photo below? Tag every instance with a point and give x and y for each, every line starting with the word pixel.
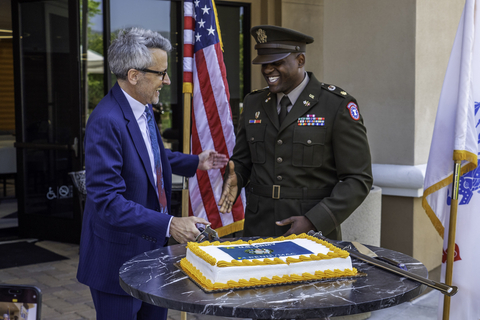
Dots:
pixel 256 141
pixel 308 146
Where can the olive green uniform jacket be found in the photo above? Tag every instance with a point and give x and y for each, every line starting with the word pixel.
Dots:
pixel 320 171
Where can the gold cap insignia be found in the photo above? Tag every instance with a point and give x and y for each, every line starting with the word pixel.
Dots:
pixel 261 36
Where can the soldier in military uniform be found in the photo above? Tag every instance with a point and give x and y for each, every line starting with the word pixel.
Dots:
pixel 305 161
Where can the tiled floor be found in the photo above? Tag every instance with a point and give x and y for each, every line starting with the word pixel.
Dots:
pixel 63 297
pixel 423 308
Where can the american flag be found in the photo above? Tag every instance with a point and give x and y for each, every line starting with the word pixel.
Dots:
pixel 204 76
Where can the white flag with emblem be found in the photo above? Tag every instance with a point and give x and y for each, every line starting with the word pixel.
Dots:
pixel 456 133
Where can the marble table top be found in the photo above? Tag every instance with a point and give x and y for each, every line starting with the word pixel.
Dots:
pixel 154 278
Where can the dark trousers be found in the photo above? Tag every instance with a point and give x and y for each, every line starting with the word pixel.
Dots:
pixel 112 306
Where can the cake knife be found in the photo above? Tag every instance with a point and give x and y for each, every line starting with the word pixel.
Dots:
pixel 363 249
pixel 442 287
pixel 207 233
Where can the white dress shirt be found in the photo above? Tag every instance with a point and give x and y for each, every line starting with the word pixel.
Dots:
pixel 293 95
pixel 139 112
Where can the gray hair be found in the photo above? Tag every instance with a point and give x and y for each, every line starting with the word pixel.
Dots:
pixel 130 50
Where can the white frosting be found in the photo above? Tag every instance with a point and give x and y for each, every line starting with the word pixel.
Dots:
pixel 224 274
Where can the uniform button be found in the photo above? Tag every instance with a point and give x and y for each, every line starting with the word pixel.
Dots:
pixel 279 142
pixel 279 178
pixel 252 138
pixel 279 160
pixel 309 141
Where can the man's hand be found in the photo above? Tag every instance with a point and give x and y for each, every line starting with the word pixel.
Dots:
pixel 299 224
pixel 229 191
pixel 210 159
pixel 184 229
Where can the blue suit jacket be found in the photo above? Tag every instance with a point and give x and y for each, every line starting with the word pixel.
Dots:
pixel 121 218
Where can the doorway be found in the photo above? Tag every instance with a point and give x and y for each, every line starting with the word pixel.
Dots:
pixel 8 164
pixel 48 118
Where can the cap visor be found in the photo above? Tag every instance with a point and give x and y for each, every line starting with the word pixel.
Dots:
pixel 269 58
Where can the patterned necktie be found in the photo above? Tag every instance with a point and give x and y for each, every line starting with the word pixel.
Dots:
pixel 283 109
pixel 156 156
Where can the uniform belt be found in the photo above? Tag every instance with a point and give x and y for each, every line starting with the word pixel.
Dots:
pixel 279 192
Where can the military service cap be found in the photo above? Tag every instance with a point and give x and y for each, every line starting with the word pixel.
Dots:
pixel 275 43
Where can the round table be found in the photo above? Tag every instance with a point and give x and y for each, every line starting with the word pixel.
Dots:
pixel 153 277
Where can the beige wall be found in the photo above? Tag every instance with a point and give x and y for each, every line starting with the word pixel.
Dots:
pixel 370 53
pixel 434 41
pixel 409 230
pixel 307 16
pixel 427 244
pixel 397 217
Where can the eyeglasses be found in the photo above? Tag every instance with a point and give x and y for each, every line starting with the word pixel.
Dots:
pixel 161 74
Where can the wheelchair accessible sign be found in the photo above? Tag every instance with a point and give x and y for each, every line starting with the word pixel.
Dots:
pixel 62 192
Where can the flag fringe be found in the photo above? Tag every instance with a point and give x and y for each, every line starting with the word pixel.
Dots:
pixel 471 165
pixel 464 155
pixel 218 24
pixel 433 217
pixel 230 228
pixel 188 87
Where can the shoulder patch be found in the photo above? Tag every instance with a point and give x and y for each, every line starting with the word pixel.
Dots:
pixel 353 110
pixel 334 89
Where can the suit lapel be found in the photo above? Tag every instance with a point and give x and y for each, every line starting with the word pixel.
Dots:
pixel 134 130
pixel 306 101
pixel 269 103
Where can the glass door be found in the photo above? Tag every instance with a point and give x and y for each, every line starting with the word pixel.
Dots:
pixel 48 117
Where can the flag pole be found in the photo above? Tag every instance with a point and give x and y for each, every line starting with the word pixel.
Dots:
pixel 451 236
pixel 187 106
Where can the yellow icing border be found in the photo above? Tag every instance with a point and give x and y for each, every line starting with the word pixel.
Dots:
pixel 334 252
pixel 194 273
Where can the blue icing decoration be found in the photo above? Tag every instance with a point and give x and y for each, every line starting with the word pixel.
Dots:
pixel 265 250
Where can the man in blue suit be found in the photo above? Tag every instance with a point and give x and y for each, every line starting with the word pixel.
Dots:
pixel 129 176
